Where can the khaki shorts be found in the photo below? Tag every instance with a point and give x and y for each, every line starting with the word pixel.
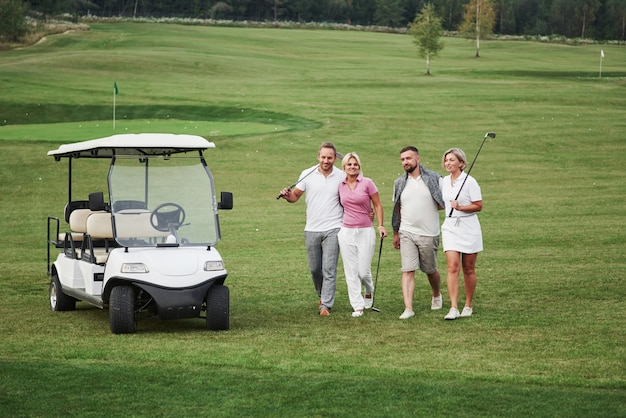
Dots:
pixel 418 252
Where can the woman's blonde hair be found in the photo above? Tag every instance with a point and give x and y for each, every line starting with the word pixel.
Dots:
pixel 347 157
pixel 459 154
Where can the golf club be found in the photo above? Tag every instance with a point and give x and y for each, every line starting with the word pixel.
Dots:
pixel 339 157
pixel 380 251
pixel 303 177
pixel 487 135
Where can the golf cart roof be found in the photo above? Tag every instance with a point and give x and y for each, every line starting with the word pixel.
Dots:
pixel 132 144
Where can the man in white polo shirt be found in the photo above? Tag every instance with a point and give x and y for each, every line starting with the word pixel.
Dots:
pixel 415 220
pixel 324 216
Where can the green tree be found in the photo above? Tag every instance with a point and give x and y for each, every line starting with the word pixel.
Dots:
pixel 219 7
pixel 427 31
pixel 617 9
pixel 505 15
pixel 76 7
pixel 451 12
pixel 478 20
pixel 388 13
pixel 12 21
pixel 47 8
pixel 585 12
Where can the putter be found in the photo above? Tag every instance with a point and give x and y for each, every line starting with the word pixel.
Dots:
pixel 339 157
pixel 380 251
pixel 488 134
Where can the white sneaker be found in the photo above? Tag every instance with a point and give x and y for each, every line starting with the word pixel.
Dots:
pixel 453 314
pixel 369 301
pixel 436 303
pixel 407 314
pixel 467 312
pixel 357 314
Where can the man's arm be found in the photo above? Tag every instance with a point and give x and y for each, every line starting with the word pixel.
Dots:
pixel 291 195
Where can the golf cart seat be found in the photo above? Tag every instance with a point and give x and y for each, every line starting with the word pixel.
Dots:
pixel 90 231
pixel 72 206
pixel 78 223
pixel 134 224
pixel 73 239
pixel 99 230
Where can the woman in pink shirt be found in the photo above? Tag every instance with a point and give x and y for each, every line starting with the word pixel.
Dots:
pixel 357 237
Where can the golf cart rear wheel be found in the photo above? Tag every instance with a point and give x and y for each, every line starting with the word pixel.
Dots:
pixel 217 308
pixel 59 301
pixel 122 319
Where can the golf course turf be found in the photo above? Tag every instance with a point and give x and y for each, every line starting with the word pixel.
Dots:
pixel 547 335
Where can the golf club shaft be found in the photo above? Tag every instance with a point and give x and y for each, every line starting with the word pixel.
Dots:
pixel 488 134
pixel 380 251
pixel 299 180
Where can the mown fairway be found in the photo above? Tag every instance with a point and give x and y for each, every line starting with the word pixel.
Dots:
pixel 547 337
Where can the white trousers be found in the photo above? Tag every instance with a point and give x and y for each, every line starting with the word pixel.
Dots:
pixel 357 249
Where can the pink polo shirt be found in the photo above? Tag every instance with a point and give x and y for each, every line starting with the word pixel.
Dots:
pixel 356 203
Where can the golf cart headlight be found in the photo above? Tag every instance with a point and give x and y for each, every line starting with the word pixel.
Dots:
pixel 134 268
pixel 213 265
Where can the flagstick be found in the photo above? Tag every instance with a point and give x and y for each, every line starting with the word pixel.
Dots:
pixel 600 67
pixel 113 108
pixel 601 58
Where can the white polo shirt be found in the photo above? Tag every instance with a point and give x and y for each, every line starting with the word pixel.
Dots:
pixel 323 211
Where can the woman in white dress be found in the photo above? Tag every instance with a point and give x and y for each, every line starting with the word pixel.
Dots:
pixel 461 233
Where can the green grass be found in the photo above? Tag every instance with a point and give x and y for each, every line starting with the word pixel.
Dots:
pixel 547 337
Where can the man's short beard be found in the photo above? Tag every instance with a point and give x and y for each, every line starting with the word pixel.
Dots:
pixel 410 169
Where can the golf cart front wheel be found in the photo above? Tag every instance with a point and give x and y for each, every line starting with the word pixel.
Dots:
pixel 59 301
pixel 122 319
pixel 217 308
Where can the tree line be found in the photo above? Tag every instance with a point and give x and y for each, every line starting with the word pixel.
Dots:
pixel 592 19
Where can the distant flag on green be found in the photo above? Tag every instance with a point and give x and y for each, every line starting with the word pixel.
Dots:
pixel 601 59
pixel 115 91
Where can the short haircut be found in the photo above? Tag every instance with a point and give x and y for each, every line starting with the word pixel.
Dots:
pixel 327 145
pixel 459 154
pixel 409 148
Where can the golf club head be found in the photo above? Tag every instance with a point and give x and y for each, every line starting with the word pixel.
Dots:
pixel 339 156
pixel 375 310
pixel 490 135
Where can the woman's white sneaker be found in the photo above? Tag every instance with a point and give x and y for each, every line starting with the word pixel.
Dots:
pixel 467 312
pixel 407 314
pixel 453 314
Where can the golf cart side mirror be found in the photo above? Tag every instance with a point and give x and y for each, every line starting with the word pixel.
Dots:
pixel 226 200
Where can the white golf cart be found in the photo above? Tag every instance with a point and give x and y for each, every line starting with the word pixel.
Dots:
pixel 150 251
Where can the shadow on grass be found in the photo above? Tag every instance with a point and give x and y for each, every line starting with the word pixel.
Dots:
pixel 20 114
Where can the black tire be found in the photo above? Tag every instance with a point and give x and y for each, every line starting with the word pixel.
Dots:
pixel 217 308
pixel 122 318
pixel 59 301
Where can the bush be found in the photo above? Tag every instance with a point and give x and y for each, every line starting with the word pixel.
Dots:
pixel 12 20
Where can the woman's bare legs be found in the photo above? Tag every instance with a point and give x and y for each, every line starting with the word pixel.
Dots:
pixel 469 277
pixel 453 259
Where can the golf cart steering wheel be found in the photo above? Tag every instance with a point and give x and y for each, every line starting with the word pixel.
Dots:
pixel 167 216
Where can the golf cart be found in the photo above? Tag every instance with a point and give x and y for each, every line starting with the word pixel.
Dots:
pixel 150 251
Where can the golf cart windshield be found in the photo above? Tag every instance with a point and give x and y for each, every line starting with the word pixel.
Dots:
pixel 162 200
